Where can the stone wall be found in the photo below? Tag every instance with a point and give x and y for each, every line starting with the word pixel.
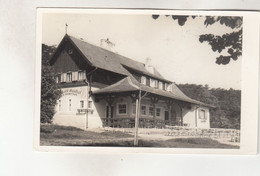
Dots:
pixel 231 135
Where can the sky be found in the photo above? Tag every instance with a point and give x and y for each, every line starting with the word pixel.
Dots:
pixel 175 51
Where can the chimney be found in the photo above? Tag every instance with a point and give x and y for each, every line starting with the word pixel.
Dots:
pixel 148 65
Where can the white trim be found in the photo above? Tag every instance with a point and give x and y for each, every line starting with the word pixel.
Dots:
pixel 117 108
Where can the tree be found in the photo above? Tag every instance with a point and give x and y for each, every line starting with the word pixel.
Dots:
pixel 229 42
pixel 50 92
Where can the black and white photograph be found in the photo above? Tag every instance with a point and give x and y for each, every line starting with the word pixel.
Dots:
pixel 140 80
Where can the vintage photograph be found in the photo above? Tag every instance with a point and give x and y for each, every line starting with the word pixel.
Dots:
pixel 153 80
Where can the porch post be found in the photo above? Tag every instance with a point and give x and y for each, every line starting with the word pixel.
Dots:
pixel 181 117
pixel 137 113
pixel 136 123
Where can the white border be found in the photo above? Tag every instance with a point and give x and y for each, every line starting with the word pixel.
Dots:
pixel 250 67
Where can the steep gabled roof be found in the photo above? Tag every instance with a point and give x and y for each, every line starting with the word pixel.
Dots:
pixel 107 60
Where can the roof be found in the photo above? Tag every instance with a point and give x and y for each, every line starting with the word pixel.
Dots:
pixel 130 84
pixel 124 85
pixel 107 60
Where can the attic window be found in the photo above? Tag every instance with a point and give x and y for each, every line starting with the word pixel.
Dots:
pixel 70 51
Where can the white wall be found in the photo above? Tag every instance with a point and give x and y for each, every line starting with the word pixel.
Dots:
pixel 65 116
pixel 203 123
pixel 189 115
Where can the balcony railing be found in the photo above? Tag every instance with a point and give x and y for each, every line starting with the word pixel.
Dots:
pixel 143 123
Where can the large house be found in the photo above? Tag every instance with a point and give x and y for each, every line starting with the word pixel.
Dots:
pixel 100 89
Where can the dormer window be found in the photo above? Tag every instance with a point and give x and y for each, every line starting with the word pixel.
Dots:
pixel 147 81
pixel 166 86
pixel 169 88
pixel 152 82
pixel 160 85
pixel 156 84
pixel 143 80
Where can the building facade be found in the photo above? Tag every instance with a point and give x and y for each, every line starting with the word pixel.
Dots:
pixel 104 89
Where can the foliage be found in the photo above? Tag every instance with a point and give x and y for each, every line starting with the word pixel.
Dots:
pixel 227 103
pixel 49 90
pixel 229 42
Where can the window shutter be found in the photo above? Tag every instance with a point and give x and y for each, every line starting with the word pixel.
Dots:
pixel 63 77
pixel 84 75
pixel 74 76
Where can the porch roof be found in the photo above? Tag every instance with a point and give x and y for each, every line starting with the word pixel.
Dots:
pixel 129 84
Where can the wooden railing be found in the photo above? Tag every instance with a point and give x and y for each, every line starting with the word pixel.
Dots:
pixel 143 123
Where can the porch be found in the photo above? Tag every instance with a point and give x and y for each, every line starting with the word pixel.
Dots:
pixel 143 123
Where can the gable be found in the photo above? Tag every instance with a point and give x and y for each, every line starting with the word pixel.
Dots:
pixel 67 58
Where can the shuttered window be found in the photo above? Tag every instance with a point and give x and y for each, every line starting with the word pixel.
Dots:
pixel 69 77
pixel 160 85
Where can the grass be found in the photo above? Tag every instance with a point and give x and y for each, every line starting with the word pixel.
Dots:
pixel 54 135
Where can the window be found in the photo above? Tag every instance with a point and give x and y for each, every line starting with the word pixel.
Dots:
pixel 156 84
pixel 134 109
pixel 152 82
pixel 121 108
pixel 69 77
pixel 202 114
pixel 163 86
pixel 151 111
pixel 148 82
pixel 158 112
pixel 89 104
pixel 69 104
pixel 82 75
pixel 143 110
pixel 169 87
pixel 58 78
pixel 143 80
pixel 160 85
pixel 82 104
pixel 59 105
pixel 166 86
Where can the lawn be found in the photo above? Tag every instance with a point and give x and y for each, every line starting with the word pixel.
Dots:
pixel 53 135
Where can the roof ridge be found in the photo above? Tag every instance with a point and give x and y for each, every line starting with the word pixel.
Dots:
pixel 104 49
